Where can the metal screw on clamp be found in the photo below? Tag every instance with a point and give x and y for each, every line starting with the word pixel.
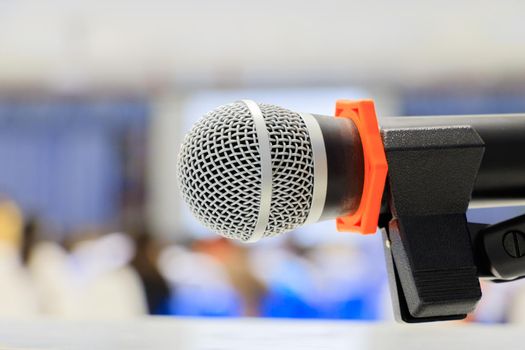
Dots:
pixel 514 244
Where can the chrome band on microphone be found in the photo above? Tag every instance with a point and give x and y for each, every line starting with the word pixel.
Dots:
pixel 320 168
pixel 266 170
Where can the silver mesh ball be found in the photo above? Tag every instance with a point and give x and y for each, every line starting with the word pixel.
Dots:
pixel 219 170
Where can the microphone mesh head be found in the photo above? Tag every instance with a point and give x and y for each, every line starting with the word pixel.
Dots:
pixel 219 170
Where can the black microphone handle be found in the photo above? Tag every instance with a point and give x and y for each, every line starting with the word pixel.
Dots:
pixel 501 177
pixel 500 180
pixel 345 166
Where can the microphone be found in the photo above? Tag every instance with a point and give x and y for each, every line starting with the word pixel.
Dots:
pixel 249 170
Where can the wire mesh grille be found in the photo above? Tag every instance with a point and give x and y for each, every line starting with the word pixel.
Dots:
pixel 219 170
pixel 292 169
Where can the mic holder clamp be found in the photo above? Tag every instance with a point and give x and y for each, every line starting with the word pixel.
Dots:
pixel 431 262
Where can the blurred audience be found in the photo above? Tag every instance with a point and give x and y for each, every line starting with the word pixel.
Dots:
pixel 18 297
pixel 235 261
pixel 94 280
pixel 118 275
pixel 156 288
pixel 200 283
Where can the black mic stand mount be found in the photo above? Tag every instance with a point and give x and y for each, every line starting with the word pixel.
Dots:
pixel 435 257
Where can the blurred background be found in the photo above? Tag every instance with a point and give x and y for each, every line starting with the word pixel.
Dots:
pixel 96 96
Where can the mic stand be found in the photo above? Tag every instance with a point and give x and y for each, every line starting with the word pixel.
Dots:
pixel 434 256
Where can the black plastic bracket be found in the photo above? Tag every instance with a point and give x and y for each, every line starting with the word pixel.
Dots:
pixel 428 247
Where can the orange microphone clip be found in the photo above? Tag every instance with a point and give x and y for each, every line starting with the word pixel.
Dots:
pixel 366 217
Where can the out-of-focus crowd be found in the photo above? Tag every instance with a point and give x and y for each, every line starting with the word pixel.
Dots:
pixel 120 275
pixel 115 274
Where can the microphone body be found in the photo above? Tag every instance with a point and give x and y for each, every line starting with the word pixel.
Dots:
pixel 249 171
pixel 501 176
pixel 345 166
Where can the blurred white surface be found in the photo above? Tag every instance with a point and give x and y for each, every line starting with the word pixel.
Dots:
pixel 245 334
